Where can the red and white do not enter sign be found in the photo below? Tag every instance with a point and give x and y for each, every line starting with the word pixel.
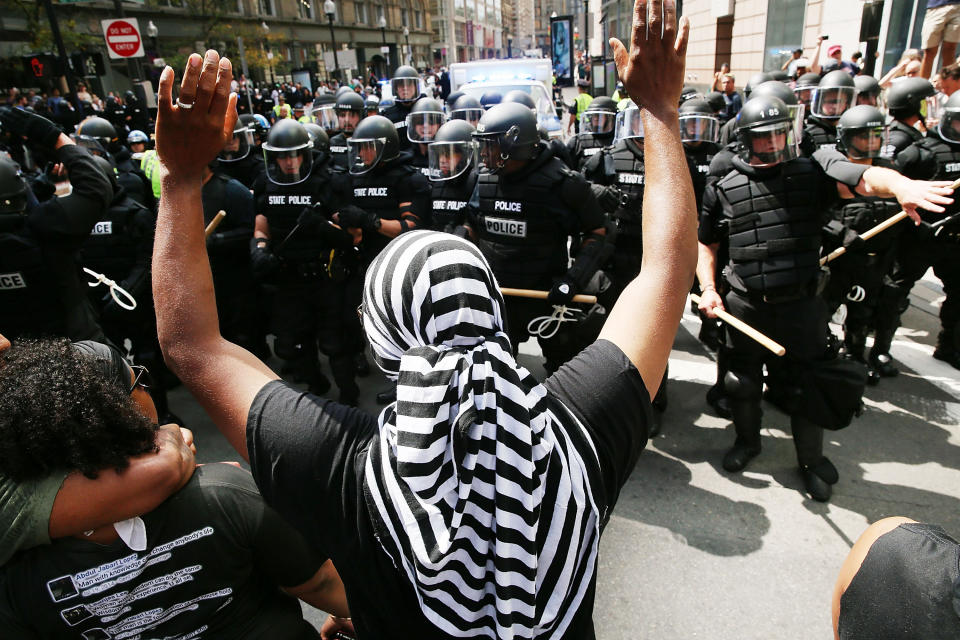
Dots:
pixel 123 38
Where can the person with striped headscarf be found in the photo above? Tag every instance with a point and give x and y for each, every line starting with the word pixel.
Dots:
pixel 473 505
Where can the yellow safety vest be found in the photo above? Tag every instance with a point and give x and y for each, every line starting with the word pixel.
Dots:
pixel 583 101
pixel 150 165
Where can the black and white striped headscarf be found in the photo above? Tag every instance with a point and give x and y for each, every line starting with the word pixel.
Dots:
pixel 479 484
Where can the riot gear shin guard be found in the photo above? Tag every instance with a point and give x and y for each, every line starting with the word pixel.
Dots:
pixel 817 470
pixel 744 394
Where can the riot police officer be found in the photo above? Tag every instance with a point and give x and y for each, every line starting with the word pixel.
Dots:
pixel 137 143
pixel 524 209
pixel 40 290
pixel 389 196
pixel 868 90
pixel 114 112
pixel 699 131
pixel 905 102
pixel 453 174
pixel 308 259
pixel 596 131
pixel 490 99
pixel 466 108
pixel 371 105
pixel 767 214
pixel 137 116
pixel 350 111
pixel 324 113
pixel 804 87
pixel 936 241
pixel 405 85
pixel 238 158
pixel 103 134
pixel 832 97
pixel 425 118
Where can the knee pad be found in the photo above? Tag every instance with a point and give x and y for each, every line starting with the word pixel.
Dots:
pixel 742 387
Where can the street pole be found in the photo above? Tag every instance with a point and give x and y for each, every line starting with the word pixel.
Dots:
pixel 333 39
pixel 245 70
pixel 386 53
pixel 61 49
pixel 586 28
pixel 133 65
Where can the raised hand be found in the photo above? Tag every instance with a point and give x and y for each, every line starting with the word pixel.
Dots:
pixel 652 70
pixel 192 131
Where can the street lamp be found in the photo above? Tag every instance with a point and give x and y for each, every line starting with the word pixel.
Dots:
pixel 330 9
pixel 382 23
pixel 406 36
pixel 266 30
pixel 586 27
pixel 152 33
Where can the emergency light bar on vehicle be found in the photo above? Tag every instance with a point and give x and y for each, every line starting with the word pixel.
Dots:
pixel 500 71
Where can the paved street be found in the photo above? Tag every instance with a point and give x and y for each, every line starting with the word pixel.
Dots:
pixel 693 552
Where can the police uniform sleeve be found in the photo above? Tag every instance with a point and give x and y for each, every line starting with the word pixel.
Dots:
pixel 415 190
pixel 834 167
pixel 916 163
pixel 710 230
pixel 69 220
pixel 240 219
pixel 593 169
pixel 699 182
pixel 578 193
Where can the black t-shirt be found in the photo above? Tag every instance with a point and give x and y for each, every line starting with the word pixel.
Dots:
pixel 308 456
pixel 215 553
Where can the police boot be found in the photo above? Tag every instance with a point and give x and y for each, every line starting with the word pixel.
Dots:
pixel 880 360
pixel 817 471
pixel 947 350
pixel 717 394
pixel 746 422
pixel 344 367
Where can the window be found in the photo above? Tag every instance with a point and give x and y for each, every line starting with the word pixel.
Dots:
pixel 405 17
pixel 784 31
pixel 361 11
pixel 418 16
pixel 265 7
pixel 458 8
pixel 305 9
pixel 379 13
pixel 240 7
pixel 900 37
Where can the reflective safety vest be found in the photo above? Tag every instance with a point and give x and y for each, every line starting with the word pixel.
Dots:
pixel 150 165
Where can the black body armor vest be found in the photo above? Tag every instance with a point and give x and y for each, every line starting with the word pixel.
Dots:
pixel 115 240
pixel 774 228
pixel 449 198
pixel 947 157
pixel 339 153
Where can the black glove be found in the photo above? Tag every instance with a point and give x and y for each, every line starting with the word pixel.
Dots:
pixel 263 263
pixel 34 128
pixel 852 241
pixel 311 218
pixel 562 292
pixel 357 218
pixel 608 198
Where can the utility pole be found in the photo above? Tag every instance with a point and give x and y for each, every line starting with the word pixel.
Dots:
pixel 61 49
pixel 133 66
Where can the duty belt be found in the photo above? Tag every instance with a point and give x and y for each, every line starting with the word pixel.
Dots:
pixel 779 295
pixel 773 248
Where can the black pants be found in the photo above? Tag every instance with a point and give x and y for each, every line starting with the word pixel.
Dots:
pixel 917 254
pixel 801 327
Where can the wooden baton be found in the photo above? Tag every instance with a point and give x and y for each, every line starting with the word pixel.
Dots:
pixel 217 219
pixel 883 226
pixel 542 295
pixel 745 329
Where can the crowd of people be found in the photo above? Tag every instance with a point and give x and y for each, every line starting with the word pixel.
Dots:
pixel 435 235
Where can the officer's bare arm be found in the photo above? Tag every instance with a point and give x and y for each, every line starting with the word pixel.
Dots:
pixel 644 321
pixel 222 376
pixel 911 194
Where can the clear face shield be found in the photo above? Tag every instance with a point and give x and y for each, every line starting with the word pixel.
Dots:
pixel 288 166
pixel 831 103
pixel 864 142
pixel 768 145
pixel 422 126
pixel 629 125
pixel 598 123
pixel 237 147
pixel 699 128
pixel 949 126
pixel 449 160
pixel 934 111
pixel 797 113
pixel 804 95
pixel 405 89
pixel 325 116
pixel 870 99
pixel 364 155
pixel 490 154
pixel 470 115
pixel 94 145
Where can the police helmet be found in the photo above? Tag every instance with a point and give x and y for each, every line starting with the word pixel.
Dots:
pixel 260 126
pixel 238 147
pixel 324 112
pixel 466 108
pixel 452 152
pixel 425 117
pixel 137 137
pixel 108 171
pixel 717 103
pixel 698 122
pixel 804 87
pixel 372 104
pixel 288 153
pixel 345 89
pixel 906 96
pixel 689 93
pixel 405 84
pixel 599 118
pixel 629 124
pixel 862 132
pixel 452 99
pixel 868 90
pixel 13 188
pixel 96 129
pixel 775 89
pixel 833 95
pixel 490 98
pixel 755 80
pixel 350 111
pixel 949 126
pixel 779 75
pixel 520 97
pixel 374 141
pixel 319 138
pixel 507 132
pixel 130 98
pixel 765 131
